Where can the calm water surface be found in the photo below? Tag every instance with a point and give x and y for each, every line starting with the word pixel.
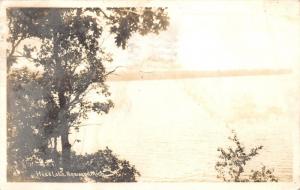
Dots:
pixel 171 129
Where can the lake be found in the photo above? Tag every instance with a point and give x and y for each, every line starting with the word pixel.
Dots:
pixel 171 129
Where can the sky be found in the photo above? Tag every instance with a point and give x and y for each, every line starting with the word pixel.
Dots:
pixel 221 35
pixel 170 129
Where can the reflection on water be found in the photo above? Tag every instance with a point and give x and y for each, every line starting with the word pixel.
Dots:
pixel 171 129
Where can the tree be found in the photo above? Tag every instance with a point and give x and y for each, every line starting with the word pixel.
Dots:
pixel 233 160
pixel 67 64
pixel 24 120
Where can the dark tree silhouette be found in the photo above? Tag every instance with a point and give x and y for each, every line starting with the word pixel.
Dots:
pixel 233 160
pixel 49 99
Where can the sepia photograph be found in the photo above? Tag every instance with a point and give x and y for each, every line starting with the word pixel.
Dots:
pixel 195 92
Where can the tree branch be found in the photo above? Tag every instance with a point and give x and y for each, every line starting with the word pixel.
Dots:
pixel 84 91
pixel 129 11
pixel 14 45
pixel 21 56
pixel 104 14
pixel 112 71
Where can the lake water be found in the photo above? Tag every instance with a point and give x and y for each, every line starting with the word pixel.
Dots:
pixel 171 129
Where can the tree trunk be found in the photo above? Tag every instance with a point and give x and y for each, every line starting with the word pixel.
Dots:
pixel 55 152
pixel 56 20
pixel 66 150
pixel 64 128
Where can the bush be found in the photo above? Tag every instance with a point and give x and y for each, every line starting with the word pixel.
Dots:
pixel 106 166
pixel 232 162
pixel 102 166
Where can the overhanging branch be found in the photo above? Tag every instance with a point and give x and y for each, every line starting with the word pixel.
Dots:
pixel 112 71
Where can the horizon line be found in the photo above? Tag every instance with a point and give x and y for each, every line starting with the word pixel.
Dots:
pixel 190 74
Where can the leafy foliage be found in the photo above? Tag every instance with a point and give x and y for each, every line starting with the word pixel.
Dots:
pixel 102 166
pixel 66 63
pixel 263 175
pixel 26 132
pixel 107 164
pixel 233 160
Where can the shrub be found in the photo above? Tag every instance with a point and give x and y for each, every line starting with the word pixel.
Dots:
pixel 232 162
